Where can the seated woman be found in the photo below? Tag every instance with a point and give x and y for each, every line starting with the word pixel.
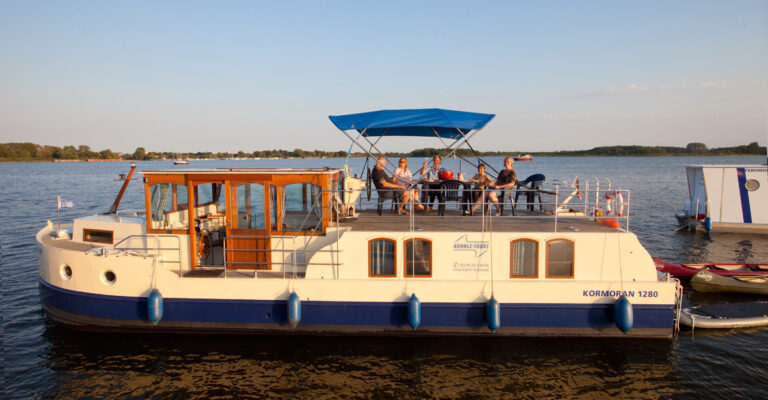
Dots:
pixel 483 184
pixel 404 177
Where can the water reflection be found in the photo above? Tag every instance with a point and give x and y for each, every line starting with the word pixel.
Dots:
pixel 735 248
pixel 181 366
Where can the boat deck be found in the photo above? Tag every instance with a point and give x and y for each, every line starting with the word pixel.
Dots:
pixel 370 221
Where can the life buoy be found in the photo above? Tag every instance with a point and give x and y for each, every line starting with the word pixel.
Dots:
pixel 203 245
pixel 611 198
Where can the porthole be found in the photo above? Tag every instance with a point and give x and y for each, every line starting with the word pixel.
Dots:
pixel 66 272
pixel 752 185
pixel 108 277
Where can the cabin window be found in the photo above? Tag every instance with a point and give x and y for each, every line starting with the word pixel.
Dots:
pixel 302 207
pixel 210 205
pixel 249 209
pixel 97 236
pixel 524 258
pixel 210 197
pixel 560 258
pixel 169 204
pixel 418 258
pixel 381 258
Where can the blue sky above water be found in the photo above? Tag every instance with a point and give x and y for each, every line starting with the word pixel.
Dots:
pixel 228 76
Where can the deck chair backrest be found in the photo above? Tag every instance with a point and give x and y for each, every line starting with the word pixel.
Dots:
pixel 450 190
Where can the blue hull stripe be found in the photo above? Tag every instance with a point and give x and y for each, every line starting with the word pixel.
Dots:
pixel 746 210
pixel 394 314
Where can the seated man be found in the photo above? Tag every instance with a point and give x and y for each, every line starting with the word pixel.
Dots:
pixel 507 178
pixel 387 187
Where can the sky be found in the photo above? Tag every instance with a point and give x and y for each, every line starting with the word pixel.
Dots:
pixel 225 76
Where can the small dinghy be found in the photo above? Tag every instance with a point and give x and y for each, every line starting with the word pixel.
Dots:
pixel 694 317
pixel 707 281
pixel 686 271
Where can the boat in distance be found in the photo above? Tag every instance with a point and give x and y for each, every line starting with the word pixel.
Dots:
pixel 306 251
pixel 686 271
pixel 523 157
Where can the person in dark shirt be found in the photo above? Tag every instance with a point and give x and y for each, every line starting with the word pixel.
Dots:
pixel 507 179
pixel 387 187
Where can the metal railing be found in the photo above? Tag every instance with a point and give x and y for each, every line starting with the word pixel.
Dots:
pixel 155 250
pixel 594 199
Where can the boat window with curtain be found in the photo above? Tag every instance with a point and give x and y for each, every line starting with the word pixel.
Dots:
pixel 168 202
pixel 381 258
pixel 524 255
pixel 418 258
pixel 560 258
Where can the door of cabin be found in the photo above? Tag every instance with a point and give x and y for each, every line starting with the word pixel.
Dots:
pixel 208 211
pixel 248 245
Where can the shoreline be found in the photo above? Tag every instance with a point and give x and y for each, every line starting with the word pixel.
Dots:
pixel 33 160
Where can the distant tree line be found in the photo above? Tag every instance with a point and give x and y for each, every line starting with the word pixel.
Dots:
pixel 31 151
pixel 692 149
pixel 36 152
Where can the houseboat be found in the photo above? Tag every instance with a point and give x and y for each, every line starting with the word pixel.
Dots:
pixel 300 251
pixel 726 198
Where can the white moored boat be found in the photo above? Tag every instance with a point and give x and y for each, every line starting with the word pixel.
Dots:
pixel 298 251
pixel 726 198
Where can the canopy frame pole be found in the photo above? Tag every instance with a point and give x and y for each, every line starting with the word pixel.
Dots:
pixel 373 145
pixel 446 145
pixel 459 142
pixel 466 140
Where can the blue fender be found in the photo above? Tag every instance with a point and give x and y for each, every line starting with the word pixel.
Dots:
pixel 622 314
pixel 414 312
pixel 294 309
pixel 493 314
pixel 708 224
pixel 155 306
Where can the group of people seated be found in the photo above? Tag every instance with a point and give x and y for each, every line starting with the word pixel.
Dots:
pixel 402 186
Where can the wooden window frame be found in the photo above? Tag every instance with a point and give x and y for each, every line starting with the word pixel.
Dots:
pixel 573 258
pixel 394 258
pixel 111 234
pixel 231 188
pixel 405 260
pixel 149 181
pixel 512 258
pixel 280 206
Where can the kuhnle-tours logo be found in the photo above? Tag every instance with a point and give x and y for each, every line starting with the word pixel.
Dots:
pixel 479 247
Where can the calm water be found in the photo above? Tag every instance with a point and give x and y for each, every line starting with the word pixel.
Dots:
pixel 42 359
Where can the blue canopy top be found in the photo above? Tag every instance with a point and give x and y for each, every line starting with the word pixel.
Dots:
pixel 418 122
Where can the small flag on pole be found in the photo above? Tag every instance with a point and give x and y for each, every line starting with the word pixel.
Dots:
pixel 62 203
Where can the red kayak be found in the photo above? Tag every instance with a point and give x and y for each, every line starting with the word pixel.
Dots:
pixel 688 270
